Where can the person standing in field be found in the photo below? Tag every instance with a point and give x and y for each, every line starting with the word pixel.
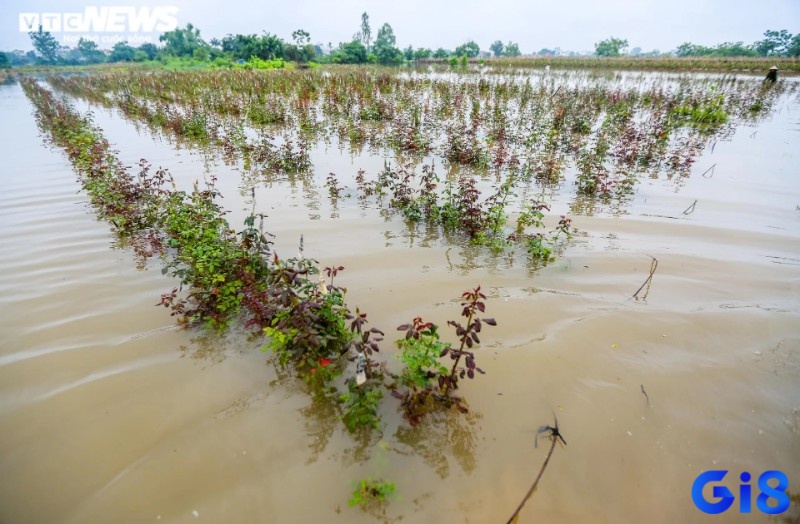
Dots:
pixel 772 75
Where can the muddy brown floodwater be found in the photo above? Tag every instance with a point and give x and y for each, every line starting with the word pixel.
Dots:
pixel 111 413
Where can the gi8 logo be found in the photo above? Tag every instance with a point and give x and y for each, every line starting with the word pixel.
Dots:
pixel 726 498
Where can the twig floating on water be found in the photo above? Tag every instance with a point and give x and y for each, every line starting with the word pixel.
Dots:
pixel 555 436
pixel 689 210
pixel 709 169
pixel 653 267
pixel 645 395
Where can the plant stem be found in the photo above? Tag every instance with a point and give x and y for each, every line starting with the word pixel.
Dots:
pixel 649 280
pixel 460 351
pixel 528 495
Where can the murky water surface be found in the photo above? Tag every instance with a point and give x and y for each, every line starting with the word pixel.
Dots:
pixel 110 413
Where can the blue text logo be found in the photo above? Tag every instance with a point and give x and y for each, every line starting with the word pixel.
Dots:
pixel 723 499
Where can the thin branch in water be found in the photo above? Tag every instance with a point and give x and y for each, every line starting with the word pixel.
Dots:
pixel 707 170
pixel 653 267
pixel 645 395
pixel 689 210
pixel 554 436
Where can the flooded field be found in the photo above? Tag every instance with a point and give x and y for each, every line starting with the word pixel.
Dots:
pixel 112 412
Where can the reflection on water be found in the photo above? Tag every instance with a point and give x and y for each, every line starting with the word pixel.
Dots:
pixel 320 418
pixel 583 205
pixel 445 435
pixel 212 347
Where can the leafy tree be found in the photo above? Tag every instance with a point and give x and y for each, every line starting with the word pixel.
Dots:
pixel 89 52
pixel 238 45
pixel 140 56
pixel 545 52
pixel 775 43
pixel 302 51
pixel 610 47
pixel 497 48
pixel 265 47
pixel 385 49
pixel 723 49
pixel 216 43
pixel 470 49
pixel 301 37
pixel 68 56
pixel 733 49
pixel 366 32
pixel 685 49
pixel 121 52
pixel 298 53
pixel 309 52
pixel 350 53
pixel 151 50
pixel 422 54
pixel 45 44
pixel 512 49
pixel 182 42
pixel 408 53
pixel 201 53
pixel 18 58
pixel 5 63
pixel 689 49
pixel 441 53
pixel 794 46
pixel 292 53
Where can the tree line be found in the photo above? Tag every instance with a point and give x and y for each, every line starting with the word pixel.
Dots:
pixel 361 49
pixel 774 44
pixel 188 43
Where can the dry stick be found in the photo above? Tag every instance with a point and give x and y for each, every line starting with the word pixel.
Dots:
pixel 709 169
pixel 554 437
pixel 690 209
pixel 653 267
pixel 646 396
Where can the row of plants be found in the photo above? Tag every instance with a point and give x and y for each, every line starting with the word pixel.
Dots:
pixel 533 126
pixel 607 132
pixel 227 276
pixel 457 205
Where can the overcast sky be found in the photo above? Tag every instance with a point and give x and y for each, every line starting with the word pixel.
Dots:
pixel 568 24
